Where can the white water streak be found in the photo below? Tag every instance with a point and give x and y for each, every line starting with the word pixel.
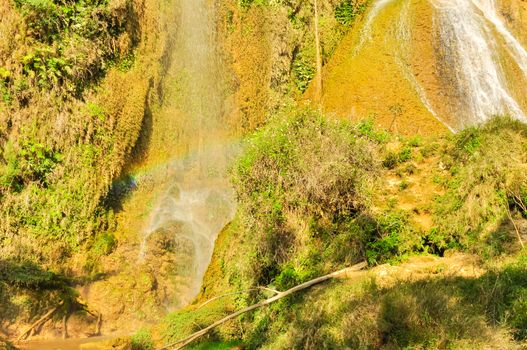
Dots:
pixel 404 37
pixel 469 43
pixel 488 9
pixel 365 36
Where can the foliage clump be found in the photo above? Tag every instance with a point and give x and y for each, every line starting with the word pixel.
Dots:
pixel 301 182
pixel 68 44
pixel 348 10
pixel 487 184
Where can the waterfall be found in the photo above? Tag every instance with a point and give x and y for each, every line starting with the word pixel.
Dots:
pixel 488 9
pixel 472 51
pixel 197 201
pixel 476 68
pixel 377 7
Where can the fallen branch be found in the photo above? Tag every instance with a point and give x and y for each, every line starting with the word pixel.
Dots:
pixel 39 321
pixel 236 293
pixel 338 274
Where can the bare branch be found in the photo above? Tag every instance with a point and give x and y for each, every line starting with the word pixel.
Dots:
pixel 237 293
pixel 180 344
pixel 515 227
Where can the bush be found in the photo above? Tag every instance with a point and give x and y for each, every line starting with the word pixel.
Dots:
pixel 303 171
pixel 28 162
pixel 303 70
pixel 348 10
pixel 484 183
pixel 142 340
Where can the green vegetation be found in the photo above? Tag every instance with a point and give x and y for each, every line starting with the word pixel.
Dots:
pixel 307 187
pixel 348 10
pixel 60 36
pixel 334 24
pixel 61 141
pixel 303 180
pixel 437 313
pixel 181 324
pixel 486 184
pixel 73 95
pixel 315 194
pixel 335 20
pixel 142 340
pixel 304 69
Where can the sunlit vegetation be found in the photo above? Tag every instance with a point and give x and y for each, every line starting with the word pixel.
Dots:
pixel 486 188
pixel 315 193
pixel 307 187
pixel 61 142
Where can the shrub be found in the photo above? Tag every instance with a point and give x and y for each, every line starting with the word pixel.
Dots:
pixel 348 10
pixel 142 340
pixel 303 70
pixel 392 159
pixel 303 171
pixel 30 162
pixel 488 177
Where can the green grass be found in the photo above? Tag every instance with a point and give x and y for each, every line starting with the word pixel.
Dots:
pixel 486 180
pixel 434 313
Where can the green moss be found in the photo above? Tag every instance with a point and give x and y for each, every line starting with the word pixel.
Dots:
pixel 348 10
pixel 142 340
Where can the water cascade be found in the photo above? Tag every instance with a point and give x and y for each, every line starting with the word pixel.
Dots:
pixel 454 63
pixel 197 201
pixel 471 48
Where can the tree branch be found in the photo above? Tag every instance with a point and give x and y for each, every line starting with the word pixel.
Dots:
pixel 236 293
pixel 39 321
pixel 515 227
pixel 338 274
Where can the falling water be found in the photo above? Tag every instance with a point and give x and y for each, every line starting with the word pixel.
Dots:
pixel 488 9
pixel 197 201
pixel 471 51
pixel 377 7
pixel 475 52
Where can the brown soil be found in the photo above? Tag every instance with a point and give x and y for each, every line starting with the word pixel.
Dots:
pixel 68 344
pixel 411 185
